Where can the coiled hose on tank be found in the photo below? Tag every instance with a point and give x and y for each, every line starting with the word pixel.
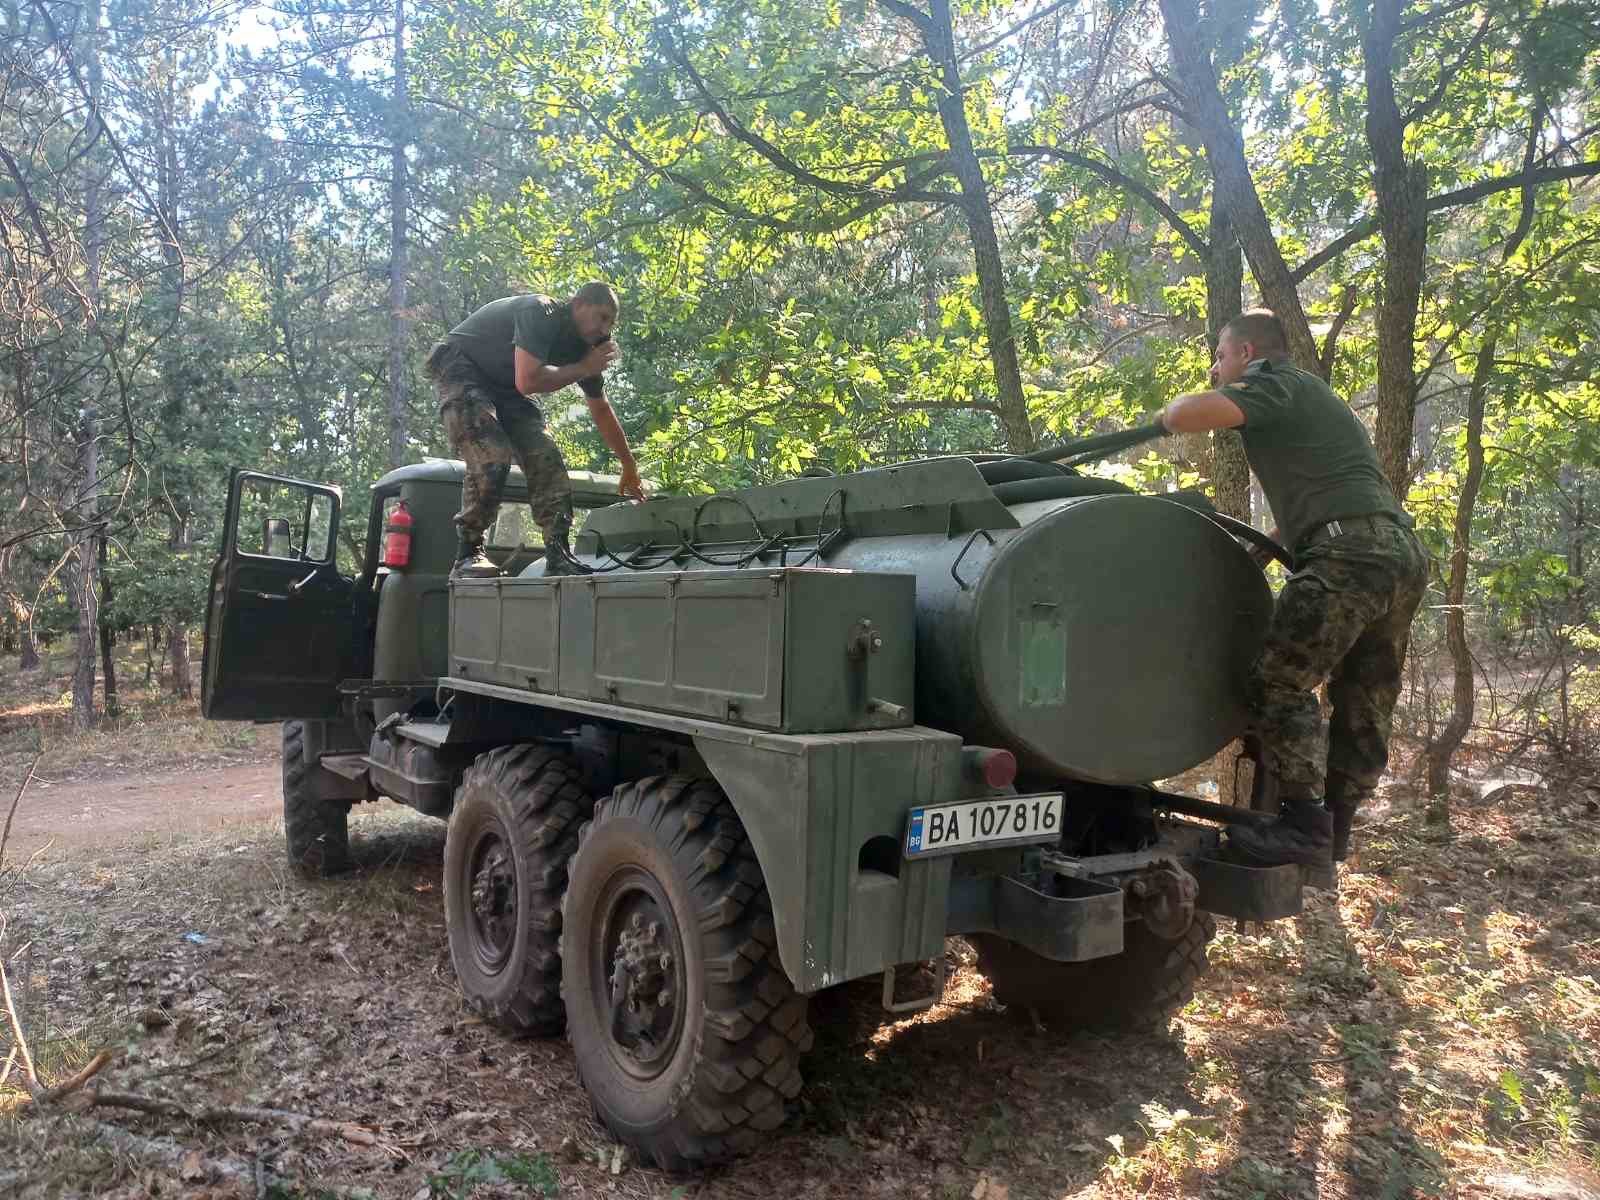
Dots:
pixel 1045 475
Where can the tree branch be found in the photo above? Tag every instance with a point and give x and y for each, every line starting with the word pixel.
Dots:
pixel 1447 75
pixel 1367 226
pixel 777 157
pixel 1127 183
pixel 1015 29
pixel 1330 344
pixel 909 12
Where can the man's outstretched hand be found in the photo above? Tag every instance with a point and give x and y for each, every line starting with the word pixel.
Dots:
pixel 631 486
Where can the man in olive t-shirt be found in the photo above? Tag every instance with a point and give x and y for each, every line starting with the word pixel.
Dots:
pixel 1345 613
pixel 485 370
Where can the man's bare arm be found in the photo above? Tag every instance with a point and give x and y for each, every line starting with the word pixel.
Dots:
pixel 605 420
pixel 1196 412
pixel 537 378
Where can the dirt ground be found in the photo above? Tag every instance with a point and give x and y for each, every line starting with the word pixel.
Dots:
pixel 157 807
pixel 1432 1031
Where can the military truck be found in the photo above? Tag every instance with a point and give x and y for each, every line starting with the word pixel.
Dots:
pixel 778 739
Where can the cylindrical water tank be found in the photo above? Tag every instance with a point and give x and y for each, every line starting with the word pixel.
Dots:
pixel 1108 638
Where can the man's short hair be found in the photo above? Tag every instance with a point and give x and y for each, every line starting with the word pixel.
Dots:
pixel 1262 329
pixel 598 294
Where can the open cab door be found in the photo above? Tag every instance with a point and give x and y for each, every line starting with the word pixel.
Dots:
pixel 279 628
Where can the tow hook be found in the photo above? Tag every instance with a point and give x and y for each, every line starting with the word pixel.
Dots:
pixel 1166 895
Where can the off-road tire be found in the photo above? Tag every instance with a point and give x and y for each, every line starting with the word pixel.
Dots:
pixel 316 830
pixel 524 804
pixel 732 1059
pixel 1141 988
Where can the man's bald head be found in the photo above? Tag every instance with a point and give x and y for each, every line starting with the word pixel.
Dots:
pixel 1261 328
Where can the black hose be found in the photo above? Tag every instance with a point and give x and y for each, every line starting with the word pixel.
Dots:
pixel 1009 470
pixel 1068 487
pixel 1062 487
pixel 1251 534
pixel 1102 446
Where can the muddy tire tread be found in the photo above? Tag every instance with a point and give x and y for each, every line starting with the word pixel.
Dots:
pixel 755 1025
pixel 316 832
pixel 1142 988
pixel 542 787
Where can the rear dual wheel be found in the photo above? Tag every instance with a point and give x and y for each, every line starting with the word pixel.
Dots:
pixel 688 1034
pixel 1141 988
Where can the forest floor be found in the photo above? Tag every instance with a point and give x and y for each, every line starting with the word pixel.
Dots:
pixel 1432 1030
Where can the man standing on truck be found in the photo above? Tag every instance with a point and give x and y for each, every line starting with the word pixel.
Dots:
pixel 487 371
pixel 1345 613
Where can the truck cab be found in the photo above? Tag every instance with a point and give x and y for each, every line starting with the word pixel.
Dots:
pixel 287 622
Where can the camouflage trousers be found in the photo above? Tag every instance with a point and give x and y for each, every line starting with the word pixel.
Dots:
pixel 1344 616
pixel 490 431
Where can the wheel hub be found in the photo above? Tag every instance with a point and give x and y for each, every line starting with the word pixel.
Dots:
pixel 644 983
pixel 494 903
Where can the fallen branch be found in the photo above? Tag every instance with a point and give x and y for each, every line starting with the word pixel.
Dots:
pixel 67 1086
pixel 219 1114
pixel 19 1043
pixel 27 778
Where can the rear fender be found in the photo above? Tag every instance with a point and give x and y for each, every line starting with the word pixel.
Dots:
pixel 826 815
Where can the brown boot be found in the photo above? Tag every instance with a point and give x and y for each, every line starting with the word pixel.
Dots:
pixel 1302 834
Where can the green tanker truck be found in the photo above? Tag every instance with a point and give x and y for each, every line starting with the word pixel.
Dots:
pixel 776 740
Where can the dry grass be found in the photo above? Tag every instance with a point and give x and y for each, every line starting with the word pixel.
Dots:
pixel 1435 1031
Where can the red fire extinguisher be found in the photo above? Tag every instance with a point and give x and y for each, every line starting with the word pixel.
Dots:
pixel 397 537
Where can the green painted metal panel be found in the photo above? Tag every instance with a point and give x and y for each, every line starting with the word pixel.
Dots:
pixel 810 814
pixel 944 496
pixel 797 650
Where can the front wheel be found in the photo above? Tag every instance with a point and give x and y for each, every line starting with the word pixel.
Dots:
pixel 687 1032
pixel 512 832
pixel 1141 988
pixel 316 829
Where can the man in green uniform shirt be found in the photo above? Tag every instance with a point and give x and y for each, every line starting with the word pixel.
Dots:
pixel 486 371
pixel 1344 615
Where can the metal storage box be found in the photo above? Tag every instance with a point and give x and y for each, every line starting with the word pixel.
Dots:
pixel 796 650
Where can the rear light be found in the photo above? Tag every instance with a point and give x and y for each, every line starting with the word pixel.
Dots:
pixel 397 537
pixel 995 769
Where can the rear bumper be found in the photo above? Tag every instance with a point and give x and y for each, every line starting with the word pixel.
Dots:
pixel 1071 918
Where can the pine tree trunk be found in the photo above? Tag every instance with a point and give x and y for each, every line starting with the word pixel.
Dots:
pixel 108 637
pixel 28 657
pixel 179 682
pixel 399 321
pixel 87 583
pixel 178 631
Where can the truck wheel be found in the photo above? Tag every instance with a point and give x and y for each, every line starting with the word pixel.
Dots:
pixel 316 830
pixel 1141 988
pixel 687 1032
pixel 512 833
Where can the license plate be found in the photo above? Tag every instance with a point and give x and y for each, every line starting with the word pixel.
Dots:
pixel 982 824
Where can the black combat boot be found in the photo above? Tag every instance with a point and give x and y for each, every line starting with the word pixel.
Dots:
pixel 473 563
pixel 1302 834
pixel 558 559
pixel 1343 809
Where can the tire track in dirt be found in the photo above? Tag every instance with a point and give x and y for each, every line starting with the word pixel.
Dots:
pixel 95 813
